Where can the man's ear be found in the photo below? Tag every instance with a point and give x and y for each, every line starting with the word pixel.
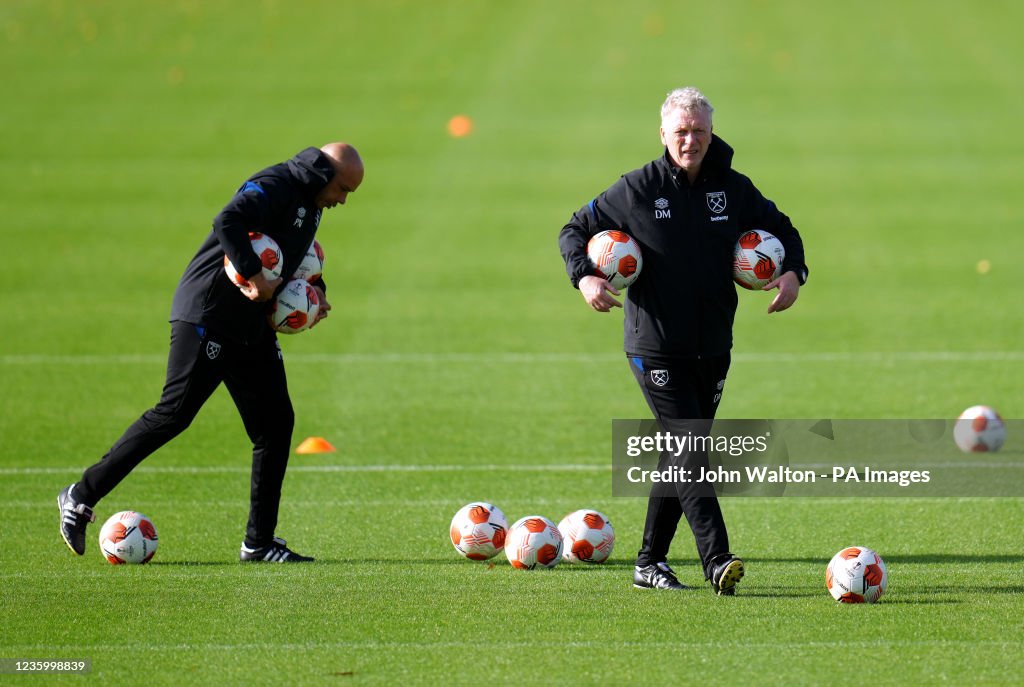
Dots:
pixel 661 132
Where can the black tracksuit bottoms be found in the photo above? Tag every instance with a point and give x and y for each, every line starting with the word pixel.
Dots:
pixel 198 362
pixel 682 389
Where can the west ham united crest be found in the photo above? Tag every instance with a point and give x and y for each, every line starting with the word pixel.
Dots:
pixel 716 202
pixel 212 350
pixel 659 377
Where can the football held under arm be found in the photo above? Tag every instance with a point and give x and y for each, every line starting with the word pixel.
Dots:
pixel 768 217
pixel 607 211
pixel 245 212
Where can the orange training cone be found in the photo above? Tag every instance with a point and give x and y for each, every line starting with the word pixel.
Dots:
pixel 315 445
pixel 460 126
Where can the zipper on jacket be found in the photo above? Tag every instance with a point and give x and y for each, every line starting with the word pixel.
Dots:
pixel 701 238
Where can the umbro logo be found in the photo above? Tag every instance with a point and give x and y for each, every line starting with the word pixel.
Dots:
pixel 661 210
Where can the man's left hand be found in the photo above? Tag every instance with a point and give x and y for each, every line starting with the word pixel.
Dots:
pixel 324 306
pixel 789 288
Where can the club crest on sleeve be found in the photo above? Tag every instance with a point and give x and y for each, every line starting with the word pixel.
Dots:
pixel 212 350
pixel 716 201
pixel 659 377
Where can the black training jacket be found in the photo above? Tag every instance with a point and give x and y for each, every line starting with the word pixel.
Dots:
pixel 278 201
pixel 684 301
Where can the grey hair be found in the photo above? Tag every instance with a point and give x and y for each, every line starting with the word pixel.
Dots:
pixel 688 99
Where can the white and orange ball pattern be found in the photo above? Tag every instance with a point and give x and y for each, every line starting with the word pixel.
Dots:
pixel 757 259
pixel 587 535
pixel 128 537
pixel 311 267
pixel 533 541
pixel 856 575
pixel 979 429
pixel 478 530
pixel 615 256
pixel 295 307
pixel 271 258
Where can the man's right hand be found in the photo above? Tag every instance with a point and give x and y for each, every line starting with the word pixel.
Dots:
pixel 596 292
pixel 259 288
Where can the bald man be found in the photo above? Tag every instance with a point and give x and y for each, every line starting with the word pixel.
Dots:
pixel 220 333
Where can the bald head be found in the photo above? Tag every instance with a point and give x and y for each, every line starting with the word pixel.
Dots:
pixel 348 174
pixel 342 154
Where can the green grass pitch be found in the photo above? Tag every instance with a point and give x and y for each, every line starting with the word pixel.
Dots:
pixel 459 365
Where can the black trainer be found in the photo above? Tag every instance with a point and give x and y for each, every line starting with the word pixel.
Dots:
pixel 656 576
pixel 74 517
pixel 725 573
pixel 276 552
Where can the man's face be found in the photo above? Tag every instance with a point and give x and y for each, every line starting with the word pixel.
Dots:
pixel 337 189
pixel 687 136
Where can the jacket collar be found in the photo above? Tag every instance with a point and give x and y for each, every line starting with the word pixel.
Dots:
pixel 312 169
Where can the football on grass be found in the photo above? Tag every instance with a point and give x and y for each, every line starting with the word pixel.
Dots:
pixel 979 429
pixel 856 575
pixel 128 537
pixel 270 256
pixel 533 541
pixel 616 257
pixel 757 259
pixel 295 307
pixel 478 530
pixel 587 535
